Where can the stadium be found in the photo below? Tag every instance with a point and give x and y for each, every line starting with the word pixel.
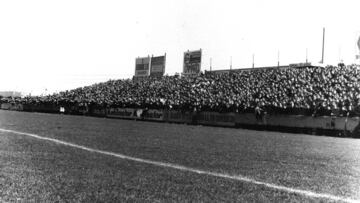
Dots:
pixel 68 146
pixel 137 101
pixel 296 98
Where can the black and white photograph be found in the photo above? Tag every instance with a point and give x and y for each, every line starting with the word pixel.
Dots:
pixel 179 101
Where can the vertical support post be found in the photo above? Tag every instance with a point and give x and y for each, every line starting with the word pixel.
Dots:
pixel 149 66
pixel 358 56
pixel 164 65
pixel 323 45
pixel 253 62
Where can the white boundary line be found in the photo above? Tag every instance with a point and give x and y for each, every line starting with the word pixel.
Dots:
pixel 193 170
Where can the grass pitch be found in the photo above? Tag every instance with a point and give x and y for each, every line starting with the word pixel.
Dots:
pixel 37 170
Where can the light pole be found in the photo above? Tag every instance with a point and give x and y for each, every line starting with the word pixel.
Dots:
pixel 323 46
pixel 253 62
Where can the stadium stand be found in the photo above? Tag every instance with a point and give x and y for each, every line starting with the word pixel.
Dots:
pixel 333 90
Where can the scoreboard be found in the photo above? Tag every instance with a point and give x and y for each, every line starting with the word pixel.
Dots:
pixel 142 66
pixel 192 62
pixel 157 67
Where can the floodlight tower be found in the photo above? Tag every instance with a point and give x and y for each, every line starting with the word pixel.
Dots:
pixel 253 62
pixel 323 45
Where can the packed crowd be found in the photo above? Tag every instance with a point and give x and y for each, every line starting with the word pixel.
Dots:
pixel 309 90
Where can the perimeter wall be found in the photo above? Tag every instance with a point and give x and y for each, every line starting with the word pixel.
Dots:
pixel 321 125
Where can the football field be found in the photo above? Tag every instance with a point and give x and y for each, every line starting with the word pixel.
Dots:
pixel 64 158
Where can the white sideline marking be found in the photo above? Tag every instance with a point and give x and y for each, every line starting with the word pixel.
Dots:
pixel 184 168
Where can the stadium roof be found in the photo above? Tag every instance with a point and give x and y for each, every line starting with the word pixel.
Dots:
pixel 295 65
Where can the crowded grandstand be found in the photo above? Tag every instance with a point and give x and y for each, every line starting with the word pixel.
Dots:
pixel 331 90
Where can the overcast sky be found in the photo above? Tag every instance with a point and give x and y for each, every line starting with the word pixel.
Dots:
pixel 59 45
